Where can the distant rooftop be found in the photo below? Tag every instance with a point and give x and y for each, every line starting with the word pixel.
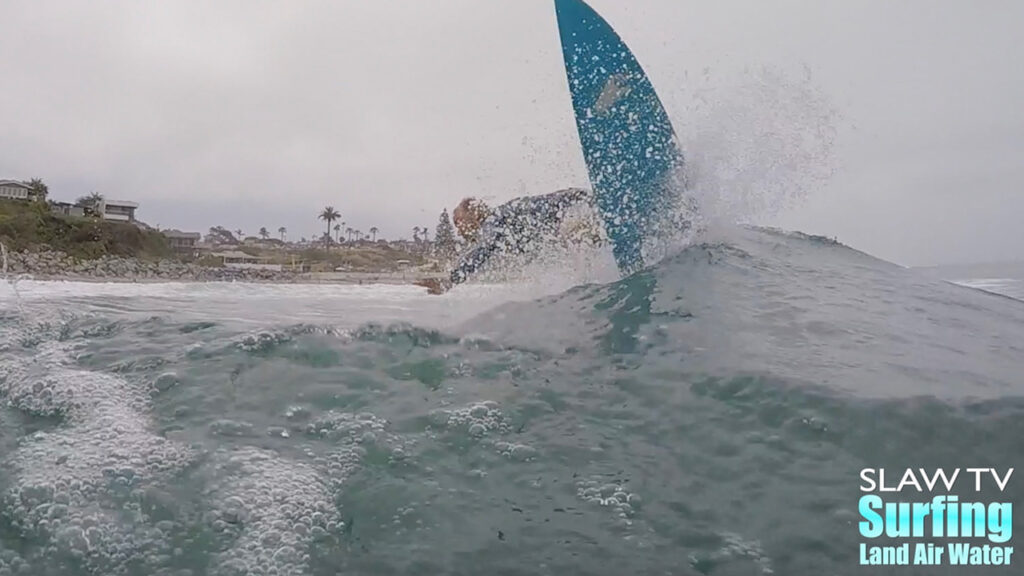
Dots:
pixel 180 234
pixel 124 203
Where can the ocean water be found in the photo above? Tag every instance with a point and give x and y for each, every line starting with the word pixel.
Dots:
pixel 709 415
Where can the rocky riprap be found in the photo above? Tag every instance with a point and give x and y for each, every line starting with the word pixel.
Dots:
pixel 51 265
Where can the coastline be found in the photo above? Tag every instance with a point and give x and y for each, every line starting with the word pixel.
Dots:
pixel 339 278
pixel 58 267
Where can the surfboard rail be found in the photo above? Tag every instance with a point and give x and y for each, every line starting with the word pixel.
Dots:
pixel 628 142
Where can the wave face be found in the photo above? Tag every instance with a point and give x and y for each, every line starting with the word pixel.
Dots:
pixel 708 415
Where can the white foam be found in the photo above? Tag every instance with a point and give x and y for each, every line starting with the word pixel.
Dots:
pixel 47 289
pixel 66 482
pixel 735 547
pixel 613 495
pixel 476 420
pixel 274 509
pixel 260 305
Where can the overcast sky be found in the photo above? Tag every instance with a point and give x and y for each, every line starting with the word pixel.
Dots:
pixel 249 114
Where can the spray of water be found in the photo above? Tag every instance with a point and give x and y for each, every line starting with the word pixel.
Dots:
pixel 578 253
pixel 10 279
pixel 11 336
pixel 756 143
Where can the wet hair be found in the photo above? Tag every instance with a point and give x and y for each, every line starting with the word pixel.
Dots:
pixel 468 216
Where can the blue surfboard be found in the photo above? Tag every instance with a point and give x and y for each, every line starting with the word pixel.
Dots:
pixel 628 142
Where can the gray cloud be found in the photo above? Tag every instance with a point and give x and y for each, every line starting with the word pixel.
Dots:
pixel 252 114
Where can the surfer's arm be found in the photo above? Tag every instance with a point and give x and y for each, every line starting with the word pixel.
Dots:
pixel 577 196
pixel 560 201
pixel 472 262
pixel 467 266
pixel 550 210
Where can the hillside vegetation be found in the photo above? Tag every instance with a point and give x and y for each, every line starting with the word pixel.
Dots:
pixel 31 226
pixel 363 258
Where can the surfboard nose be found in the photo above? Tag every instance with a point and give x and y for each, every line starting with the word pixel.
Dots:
pixel 628 141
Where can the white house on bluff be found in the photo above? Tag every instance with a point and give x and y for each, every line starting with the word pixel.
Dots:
pixel 182 241
pixel 13 190
pixel 67 209
pixel 119 210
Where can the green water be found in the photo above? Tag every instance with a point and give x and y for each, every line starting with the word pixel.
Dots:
pixel 708 416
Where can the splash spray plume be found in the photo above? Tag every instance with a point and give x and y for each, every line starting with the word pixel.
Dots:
pixel 756 144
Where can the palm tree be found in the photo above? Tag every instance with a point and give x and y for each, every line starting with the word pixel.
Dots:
pixel 348 233
pixel 426 233
pixel 39 189
pixel 92 202
pixel 374 231
pixel 329 215
pixel 337 232
pixel 415 233
pixel 282 231
pixel 263 232
pixel 239 233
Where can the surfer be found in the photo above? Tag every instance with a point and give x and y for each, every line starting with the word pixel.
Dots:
pixel 630 148
pixel 515 228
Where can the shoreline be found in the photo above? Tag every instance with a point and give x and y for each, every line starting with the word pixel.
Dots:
pixel 58 267
pixel 336 278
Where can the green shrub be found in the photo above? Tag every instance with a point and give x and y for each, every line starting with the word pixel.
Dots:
pixel 31 226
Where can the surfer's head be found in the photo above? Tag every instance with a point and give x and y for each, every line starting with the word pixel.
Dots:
pixel 468 216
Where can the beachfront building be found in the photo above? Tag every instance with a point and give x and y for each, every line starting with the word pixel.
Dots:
pixel 184 242
pixel 66 209
pixel 118 210
pixel 243 261
pixel 13 190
